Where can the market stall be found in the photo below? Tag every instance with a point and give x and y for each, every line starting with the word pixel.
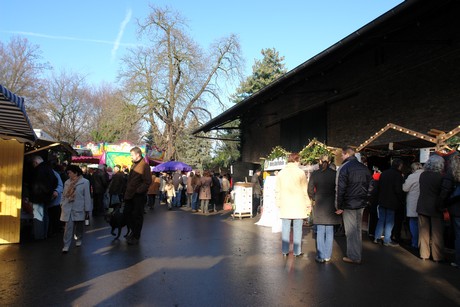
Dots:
pixel 112 154
pixel 15 131
pixel 275 162
pixel 243 200
pixel 411 146
pixel 435 138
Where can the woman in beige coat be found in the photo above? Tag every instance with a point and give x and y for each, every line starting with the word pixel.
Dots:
pixel 293 202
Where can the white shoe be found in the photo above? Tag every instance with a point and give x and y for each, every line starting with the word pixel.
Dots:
pixel 78 243
pixel 65 250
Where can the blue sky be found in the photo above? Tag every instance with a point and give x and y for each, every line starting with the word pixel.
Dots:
pixel 90 36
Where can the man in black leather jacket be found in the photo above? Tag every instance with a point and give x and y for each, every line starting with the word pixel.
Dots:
pixel 353 179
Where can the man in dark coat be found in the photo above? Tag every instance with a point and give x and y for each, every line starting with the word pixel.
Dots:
pixel 43 185
pixel 321 189
pixel 390 199
pixel 116 186
pixel 100 183
pixel 139 180
pixel 215 191
pixel 353 179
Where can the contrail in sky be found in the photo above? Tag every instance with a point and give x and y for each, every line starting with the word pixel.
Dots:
pixel 69 38
pixel 116 44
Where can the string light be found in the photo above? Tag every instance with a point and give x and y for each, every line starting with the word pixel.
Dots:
pixel 407 131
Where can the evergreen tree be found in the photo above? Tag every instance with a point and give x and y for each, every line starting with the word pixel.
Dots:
pixel 194 151
pixel 264 72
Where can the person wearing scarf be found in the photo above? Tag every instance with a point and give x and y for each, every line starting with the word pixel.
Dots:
pixel 75 207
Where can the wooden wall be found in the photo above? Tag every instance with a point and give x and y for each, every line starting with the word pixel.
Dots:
pixel 11 166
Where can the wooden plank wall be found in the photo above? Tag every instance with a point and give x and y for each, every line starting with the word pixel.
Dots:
pixel 11 166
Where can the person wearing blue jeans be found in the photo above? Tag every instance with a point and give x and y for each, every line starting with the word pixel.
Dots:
pixel 390 200
pixel 286 234
pixel 321 190
pixel 413 227
pixel 292 199
pixel 384 225
pixel 324 241
pixel 177 198
pixel 412 187
pixel 195 202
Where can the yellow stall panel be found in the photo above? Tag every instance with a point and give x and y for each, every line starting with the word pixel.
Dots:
pixel 11 166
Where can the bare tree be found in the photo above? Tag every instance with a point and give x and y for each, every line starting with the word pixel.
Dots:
pixel 172 80
pixel 64 107
pixel 21 69
pixel 112 119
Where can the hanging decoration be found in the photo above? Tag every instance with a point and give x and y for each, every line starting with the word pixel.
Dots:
pixel 278 152
pixel 313 151
pixel 440 139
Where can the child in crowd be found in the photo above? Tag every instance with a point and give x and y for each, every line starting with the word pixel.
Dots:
pixel 170 193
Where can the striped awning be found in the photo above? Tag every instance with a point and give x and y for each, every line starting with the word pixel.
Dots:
pixel 14 123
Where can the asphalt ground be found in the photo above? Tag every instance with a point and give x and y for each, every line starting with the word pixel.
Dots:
pixel 190 259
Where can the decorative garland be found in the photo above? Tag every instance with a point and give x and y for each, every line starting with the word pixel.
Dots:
pixel 454 141
pixel 278 152
pixel 313 151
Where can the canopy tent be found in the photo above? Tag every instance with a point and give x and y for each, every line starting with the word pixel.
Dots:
pixel 41 144
pixel 172 166
pixel 86 159
pixel 109 160
pixel 14 123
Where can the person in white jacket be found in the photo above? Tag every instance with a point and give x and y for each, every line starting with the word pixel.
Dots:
pixel 412 187
pixel 75 207
pixel 291 194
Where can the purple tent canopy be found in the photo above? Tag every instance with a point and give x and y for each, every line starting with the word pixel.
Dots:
pixel 172 166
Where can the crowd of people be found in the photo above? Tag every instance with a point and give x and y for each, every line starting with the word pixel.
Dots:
pixel 429 197
pixel 60 199
pixel 201 193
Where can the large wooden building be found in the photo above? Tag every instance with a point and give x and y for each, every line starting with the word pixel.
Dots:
pixel 401 68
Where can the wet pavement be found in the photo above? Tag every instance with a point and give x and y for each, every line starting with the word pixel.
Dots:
pixel 189 259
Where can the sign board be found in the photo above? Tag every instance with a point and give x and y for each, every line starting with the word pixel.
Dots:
pixel 276 164
pixel 425 154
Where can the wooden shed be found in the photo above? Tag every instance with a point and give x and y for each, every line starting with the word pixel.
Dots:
pixel 15 131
